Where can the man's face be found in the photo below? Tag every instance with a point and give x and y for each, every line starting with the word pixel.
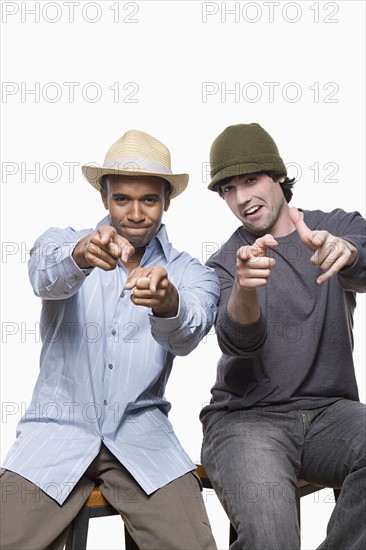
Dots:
pixel 136 205
pixel 257 201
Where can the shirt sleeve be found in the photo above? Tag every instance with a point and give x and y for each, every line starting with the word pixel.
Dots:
pixel 53 272
pixel 352 228
pixel 235 339
pixel 198 290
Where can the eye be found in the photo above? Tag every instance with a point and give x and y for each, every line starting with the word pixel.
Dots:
pixel 150 200
pixel 226 189
pixel 251 179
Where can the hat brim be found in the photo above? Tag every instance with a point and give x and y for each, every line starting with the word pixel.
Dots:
pixel 241 169
pixel 94 174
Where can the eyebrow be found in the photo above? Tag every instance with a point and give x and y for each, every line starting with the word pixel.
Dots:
pixel 125 196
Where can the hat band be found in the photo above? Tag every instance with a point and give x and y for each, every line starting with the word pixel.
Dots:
pixel 136 164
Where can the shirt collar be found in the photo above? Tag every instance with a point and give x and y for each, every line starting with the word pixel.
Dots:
pixel 161 237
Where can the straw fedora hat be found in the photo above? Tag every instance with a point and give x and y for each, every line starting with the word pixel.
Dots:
pixel 137 154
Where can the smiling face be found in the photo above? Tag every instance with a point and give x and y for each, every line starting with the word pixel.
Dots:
pixel 259 203
pixel 136 205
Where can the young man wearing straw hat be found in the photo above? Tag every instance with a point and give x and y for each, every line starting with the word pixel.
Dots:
pixel 119 302
pixel 285 403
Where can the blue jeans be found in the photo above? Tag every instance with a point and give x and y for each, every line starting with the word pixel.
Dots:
pixel 253 458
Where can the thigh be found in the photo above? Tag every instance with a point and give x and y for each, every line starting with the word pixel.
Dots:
pixel 334 443
pixel 30 519
pixel 252 459
pixel 172 518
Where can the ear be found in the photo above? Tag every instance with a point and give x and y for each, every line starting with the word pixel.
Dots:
pixel 167 202
pixel 282 180
pixel 104 198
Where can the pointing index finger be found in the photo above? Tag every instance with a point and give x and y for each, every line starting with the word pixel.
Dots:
pixel 267 241
pixel 257 249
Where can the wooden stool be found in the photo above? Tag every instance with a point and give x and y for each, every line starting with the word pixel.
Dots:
pixel 95 507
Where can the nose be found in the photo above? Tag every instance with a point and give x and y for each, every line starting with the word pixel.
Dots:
pixel 242 195
pixel 136 214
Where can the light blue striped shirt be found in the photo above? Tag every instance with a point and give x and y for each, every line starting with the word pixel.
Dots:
pixel 104 366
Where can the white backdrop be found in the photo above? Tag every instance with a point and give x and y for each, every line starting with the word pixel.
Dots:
pixel 76 75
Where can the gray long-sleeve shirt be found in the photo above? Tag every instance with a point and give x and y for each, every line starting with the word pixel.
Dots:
pixel 298 355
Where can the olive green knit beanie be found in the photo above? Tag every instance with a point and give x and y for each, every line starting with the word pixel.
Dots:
pixel 243 149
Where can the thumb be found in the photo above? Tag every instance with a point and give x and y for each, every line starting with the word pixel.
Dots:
pixel 305 234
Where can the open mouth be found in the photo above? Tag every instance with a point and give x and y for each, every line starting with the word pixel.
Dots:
pixel 253 211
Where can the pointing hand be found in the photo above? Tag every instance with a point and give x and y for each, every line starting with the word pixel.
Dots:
pixel 331 253
pixel 253 265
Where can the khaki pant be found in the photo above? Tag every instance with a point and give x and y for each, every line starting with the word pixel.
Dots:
pixel 172 518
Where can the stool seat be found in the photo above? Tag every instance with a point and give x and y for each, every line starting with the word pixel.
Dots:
pixel 97 506
pixel 96 499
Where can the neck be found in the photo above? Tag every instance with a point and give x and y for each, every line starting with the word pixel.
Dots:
pixel 134 261
pixel 283 225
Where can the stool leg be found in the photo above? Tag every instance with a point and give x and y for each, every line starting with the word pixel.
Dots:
pixel 79 531
pixel 130 543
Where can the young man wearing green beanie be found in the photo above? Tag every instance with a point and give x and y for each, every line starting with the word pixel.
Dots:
pixel 285 402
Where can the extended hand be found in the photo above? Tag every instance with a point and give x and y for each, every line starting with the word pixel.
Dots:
pixel 152 288
pixel 331 253
pixel 103 249
pixel 253 265
pixel 253 269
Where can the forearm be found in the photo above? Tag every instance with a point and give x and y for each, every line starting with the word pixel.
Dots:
pixel 243 305
pixel 240 340
pixel 53 273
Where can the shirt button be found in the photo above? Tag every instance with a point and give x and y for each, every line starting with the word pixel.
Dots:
pixel 114 332
pixel 105 402
pixel 110 366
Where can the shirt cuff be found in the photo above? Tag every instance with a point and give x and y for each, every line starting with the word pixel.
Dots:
pixel 168 324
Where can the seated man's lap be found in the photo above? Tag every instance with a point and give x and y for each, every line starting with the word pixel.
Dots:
pixel 254 457
pixel 172 517
pixel 32 519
